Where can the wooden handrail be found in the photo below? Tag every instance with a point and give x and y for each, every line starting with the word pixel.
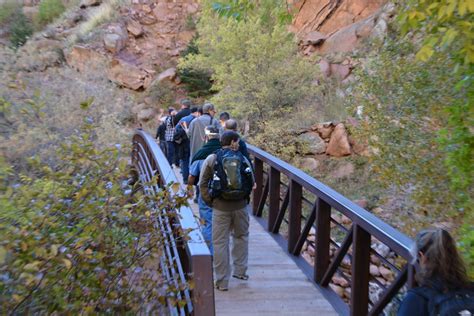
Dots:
pixel 194 255
pixel 364 226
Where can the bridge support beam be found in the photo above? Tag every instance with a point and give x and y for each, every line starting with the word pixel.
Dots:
pixel 257 193
pixel 274 198
pixel 360 272
pixel 323 237
pixel 294 215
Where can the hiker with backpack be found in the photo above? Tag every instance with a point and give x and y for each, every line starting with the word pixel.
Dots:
pixel 205 211
pixel 444 287
pixel 231 125
pixel 182 144
pixel 225 183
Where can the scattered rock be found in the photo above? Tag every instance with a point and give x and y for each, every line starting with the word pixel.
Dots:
pixel 324 129
pixel 362 203
pixel 374 259
pixel 386 273
pixel 343 171
pixel 80 58
pixel 114 42
pixel 340 71
pixel 381 249
pixel 307 257
pixel 374 270
pixel 339 144
pixel 126 74
pixel 315 144
pixel 338 289
pixel 340 281
pixel 168 74
pixel 309 163
pixel 311 251
pixel 134 28
pixel 325 67
pixel 146 115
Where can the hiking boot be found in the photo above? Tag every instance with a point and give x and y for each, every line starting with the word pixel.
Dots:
pixel 221 287
pixel 244 277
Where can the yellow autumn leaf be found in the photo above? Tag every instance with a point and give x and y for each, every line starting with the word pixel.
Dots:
pixel 17 298
pixel 88 251
pixel 3 255
pixel 175 187
pixel 54 250
pixel 147 213
pixel 33 266
pixel 424 53
pixel 462 7
pixel 67 263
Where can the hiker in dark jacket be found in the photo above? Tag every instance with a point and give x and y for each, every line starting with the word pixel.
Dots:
pixel 182 144
pixel 184 111
pixel 160 135
pixel 440 271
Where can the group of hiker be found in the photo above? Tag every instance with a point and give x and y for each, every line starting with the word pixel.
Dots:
pixel 213 157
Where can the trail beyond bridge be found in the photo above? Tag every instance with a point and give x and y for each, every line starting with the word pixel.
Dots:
pixel 312 251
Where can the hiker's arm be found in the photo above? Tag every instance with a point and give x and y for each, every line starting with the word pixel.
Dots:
pixel 207 171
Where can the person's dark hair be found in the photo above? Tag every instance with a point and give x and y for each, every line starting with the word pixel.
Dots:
pixel 441 259
pixel 170 110
pixel 194 109
pixel 186 103
pixel 200 110
pixel 211 132
pixel 224 116
pixel 228 136
pixel 231 125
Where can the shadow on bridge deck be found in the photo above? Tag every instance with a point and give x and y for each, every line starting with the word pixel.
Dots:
pixel 276 285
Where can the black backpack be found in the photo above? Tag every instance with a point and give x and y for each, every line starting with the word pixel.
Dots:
pixel 452 303
pixel 232 179
pixel 180 135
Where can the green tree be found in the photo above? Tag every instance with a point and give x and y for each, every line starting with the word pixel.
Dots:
pixel 253 60
pixel 50 10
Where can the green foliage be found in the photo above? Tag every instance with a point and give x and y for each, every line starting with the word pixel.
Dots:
pixel 20 29
pixel 72 242
pixel 50 10
pixel 254 63
pixel 8 9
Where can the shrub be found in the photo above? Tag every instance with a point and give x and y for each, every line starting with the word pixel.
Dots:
pixel 72 242
pixel 20 29
pixel 50 10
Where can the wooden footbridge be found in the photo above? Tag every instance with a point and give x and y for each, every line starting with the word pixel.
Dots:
pixel 291 212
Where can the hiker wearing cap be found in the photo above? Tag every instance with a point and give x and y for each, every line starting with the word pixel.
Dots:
pixel 196 129
pixel 205 211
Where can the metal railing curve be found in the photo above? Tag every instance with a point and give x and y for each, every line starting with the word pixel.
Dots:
pixel 283 202
pixel 184 259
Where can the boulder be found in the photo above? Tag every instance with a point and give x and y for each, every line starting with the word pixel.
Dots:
pixel 126 74
pixel 339 143
pixel 168 74
pixel 134 28
pixel 325 67
pixel 81 58
pixel 308 163
pixel 315 144
pixel 362 203
pixel 386 273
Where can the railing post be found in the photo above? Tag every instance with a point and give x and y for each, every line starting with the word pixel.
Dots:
pixel 360 272
pixel 294 215
pixel 203 291
pixel 323 236
pixel 274 197
pixel 257 193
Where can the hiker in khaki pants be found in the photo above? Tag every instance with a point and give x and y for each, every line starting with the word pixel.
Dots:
pixel 226 183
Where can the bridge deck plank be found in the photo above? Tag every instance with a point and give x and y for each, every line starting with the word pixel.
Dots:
pixel 276 285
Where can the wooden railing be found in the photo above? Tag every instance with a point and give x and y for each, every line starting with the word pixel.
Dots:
pixel 296 207
pixel 184 259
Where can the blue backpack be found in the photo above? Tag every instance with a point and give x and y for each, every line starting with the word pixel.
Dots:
pixel 232 179
pixel 453 303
